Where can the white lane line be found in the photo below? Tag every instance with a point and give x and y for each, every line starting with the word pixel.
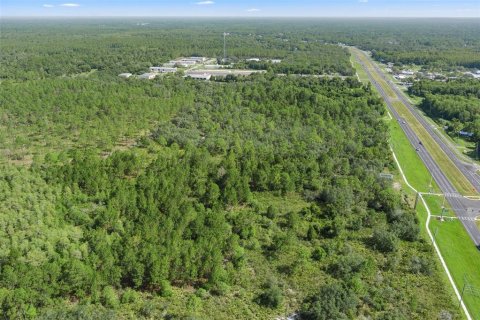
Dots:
pixel 437 250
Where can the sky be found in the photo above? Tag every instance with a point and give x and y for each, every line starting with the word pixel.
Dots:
pixel 248 8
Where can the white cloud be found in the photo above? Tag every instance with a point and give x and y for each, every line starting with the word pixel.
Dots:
pixel 48 6
pixel 203 3
pixel 253 10
pixel 70 5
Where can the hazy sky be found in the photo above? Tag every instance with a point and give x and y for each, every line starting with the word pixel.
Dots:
pixel 320 8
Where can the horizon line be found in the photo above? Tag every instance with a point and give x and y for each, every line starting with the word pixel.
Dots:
pixel 249 16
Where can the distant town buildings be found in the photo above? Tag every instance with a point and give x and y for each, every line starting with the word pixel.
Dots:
pixel 258 60
pixel 407 72
pixel 201 71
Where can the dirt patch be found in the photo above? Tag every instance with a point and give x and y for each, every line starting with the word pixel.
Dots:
pixel 397 186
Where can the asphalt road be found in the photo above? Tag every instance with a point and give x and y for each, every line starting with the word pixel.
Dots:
pixel 465 209
pixel 468 169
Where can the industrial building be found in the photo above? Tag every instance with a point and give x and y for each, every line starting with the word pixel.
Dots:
pixel 183 63
pixel 196 59
pixel 163 70
pixel 204 76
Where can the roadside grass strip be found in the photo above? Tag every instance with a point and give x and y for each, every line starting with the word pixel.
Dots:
pixel 462 258
pixel 414 169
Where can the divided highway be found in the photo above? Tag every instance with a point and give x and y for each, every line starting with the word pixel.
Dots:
pixel 465 209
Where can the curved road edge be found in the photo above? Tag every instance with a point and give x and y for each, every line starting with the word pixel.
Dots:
pixel 437 250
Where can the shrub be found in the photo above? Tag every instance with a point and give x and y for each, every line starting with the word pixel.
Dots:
pixel 318 254
pixel 129 296
pixel 421 265
pixel 109 297
pixel 165 289
pixel 333 301
pixel 384 241
pixel 272 296
pixel 272 212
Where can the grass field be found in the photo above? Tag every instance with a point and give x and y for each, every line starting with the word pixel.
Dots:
pixel 435 204
pixel 443 161
pixel 463 260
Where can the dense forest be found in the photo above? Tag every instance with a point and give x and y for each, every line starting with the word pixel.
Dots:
pixel 246 198
pixel 57 113
pixel 78 46
pixel 454 103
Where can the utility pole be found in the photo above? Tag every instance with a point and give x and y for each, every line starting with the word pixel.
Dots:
pixel 443 208
pixel 443 212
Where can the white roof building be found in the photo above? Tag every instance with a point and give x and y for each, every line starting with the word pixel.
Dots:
pixel 147 76
pixel 275 61
pixel 125 75
pixel 197 59
pixel 162 69
pixel 204 76
pixel 183 63
pixel 253 59
pixel 408 72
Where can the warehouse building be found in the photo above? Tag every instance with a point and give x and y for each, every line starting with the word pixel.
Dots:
pixel 163 70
